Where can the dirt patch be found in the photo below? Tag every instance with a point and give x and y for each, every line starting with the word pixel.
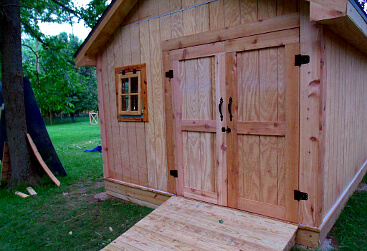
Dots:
pixel 100 197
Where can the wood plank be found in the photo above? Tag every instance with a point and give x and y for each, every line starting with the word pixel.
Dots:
pixel 268 112
pixel 267 9
pixel 205 112
pixel 188 18
pixel 262 208
pixel 291 150
pixel 124 160
pixel 140 138
pixel 221 139
pixel 199 125
pixel 311 177
pixel 281 117
pixel 31 191
pixel 232 139
pixel 286 7
pixel 108 115
pixel 176 24
pixel 261 128
pixel 249 29
pixel 248 11
pixel 141 193
pixel 42 163
pixel 232 14
pixel 198 51
pixel 149 127
pixel 216 10
pixel 170 123
pixel 202 20
pixel 272 39
pixel 157 80
pixel 102 119
pixel 178 82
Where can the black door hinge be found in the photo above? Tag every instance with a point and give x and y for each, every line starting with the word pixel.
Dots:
pixel 301 59
pixel 169 74
pixel 173 173
pixel 298 195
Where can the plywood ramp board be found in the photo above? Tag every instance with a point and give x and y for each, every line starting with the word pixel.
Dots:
pixel 184 224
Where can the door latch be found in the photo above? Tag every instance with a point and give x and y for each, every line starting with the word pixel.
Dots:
pixel 228 130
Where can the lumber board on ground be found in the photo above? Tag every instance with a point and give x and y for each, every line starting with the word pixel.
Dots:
pixel 42 163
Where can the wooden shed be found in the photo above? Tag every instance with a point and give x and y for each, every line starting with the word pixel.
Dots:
pixel 258 105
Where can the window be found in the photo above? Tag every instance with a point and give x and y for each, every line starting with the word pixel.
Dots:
pixel 131 93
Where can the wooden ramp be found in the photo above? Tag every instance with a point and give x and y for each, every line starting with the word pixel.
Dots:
pixel 184 224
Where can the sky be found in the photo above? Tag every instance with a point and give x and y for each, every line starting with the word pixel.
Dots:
pixel 77 29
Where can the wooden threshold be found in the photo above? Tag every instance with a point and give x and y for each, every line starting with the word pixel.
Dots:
pixel 184 224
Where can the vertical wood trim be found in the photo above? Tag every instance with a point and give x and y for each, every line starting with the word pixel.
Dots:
pixel 110 116
pixel 177 116
pixel 170 124
pixel 149 127
pixel 102 120
pixel 311 176
pixel 232 138
pixel 291 158
pixel 221 139
pixel 126 156
pixel 157 82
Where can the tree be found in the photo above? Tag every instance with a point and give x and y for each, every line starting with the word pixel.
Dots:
pixel 13 94
pixel 13 13
pixel 59 86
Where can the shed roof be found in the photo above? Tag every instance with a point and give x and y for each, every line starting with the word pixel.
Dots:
pixel 342 16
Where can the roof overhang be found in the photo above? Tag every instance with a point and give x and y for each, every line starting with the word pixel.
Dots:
pixel 102 31
pixel 349 24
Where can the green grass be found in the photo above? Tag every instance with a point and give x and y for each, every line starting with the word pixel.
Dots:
pixel 350 231
pixel 43 222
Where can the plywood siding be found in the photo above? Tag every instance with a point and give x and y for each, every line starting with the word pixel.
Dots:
pixel 344 116
pixel 136 151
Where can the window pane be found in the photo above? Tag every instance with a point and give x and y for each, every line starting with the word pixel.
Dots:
pixel 134 102
pixel 124 85
pixel 124 103
pixel 134 85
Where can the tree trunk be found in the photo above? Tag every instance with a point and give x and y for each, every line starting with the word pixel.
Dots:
pixel 72 115
pixel 13 94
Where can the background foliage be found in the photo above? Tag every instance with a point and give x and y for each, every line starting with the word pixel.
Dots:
pixel 59 86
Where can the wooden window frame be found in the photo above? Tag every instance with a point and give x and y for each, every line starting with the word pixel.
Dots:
pixel 142 113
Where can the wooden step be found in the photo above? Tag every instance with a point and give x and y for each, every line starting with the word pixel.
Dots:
pixel 185 224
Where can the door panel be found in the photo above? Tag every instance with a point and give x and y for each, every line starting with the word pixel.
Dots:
pixel 196 128
pixel 260 171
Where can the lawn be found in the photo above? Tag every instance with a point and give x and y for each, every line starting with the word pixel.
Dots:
pixel 67 217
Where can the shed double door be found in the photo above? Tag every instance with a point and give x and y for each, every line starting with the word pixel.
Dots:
pixel 235 120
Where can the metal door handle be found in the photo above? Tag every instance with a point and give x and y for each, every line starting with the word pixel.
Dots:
pixel 220 108
pixel 230 108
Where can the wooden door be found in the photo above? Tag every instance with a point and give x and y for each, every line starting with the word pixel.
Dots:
pixel 197 91
pixel 264 142
pixel 259 143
